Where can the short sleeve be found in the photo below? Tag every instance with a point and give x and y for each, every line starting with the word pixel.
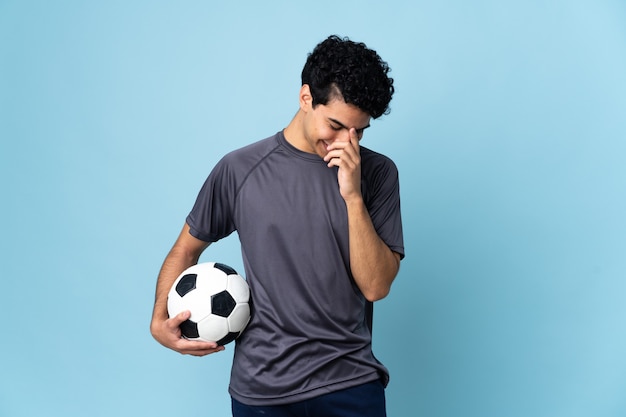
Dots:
pixel 381 191
pixel 211 217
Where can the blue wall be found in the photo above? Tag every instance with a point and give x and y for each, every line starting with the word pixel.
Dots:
pixel 508 126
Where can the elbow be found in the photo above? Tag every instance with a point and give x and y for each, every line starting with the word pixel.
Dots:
pixel 379 284
pixel 375 294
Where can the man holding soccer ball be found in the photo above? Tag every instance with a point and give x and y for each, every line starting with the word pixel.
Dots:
pixel 318 217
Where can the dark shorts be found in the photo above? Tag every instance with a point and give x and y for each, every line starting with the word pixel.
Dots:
pixel 367 400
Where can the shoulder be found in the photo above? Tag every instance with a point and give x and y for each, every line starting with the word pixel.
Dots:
pixel 242 160
pixel 375 164
pixel 254 151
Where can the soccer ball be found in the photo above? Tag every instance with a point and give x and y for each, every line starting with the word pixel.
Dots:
pixel 219 301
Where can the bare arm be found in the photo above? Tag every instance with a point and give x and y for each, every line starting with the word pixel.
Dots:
pixel 185 253
pixel 374 265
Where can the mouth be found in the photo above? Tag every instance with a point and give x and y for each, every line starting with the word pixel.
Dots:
pixel 323 146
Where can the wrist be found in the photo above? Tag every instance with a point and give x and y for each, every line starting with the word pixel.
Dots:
pixel 354 202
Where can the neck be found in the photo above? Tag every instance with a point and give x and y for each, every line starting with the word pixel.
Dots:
pixel 293 131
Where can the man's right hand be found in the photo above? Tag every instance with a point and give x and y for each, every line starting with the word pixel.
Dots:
pixel 167 332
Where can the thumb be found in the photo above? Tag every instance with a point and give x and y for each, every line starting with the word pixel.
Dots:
pixel 180 317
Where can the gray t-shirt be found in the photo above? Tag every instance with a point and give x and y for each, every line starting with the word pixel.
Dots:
pixel 309 332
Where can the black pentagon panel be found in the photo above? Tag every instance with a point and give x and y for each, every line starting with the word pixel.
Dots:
pixel 186 284
pixel 225 269
pixel 228 338
pixel 189 329
pixel 222 304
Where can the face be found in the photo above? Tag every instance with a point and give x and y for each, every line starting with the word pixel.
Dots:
pixel 324 124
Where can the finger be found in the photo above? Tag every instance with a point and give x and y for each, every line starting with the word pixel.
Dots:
pixel 353 134
pixel 335 153
pixel 338 145
pixel 196 347
pixel 178 319
pixel 346 152
pixel 334 162
pixel 354 139
pixel 346 156
pixel 333 157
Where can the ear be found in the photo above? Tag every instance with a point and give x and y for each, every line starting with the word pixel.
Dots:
pixel 306 100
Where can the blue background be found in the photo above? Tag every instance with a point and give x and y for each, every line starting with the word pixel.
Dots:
pixel 508 126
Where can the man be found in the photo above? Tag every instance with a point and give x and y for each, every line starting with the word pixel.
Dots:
pixel 318 218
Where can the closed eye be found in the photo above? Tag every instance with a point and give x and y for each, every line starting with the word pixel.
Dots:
pixel 337 126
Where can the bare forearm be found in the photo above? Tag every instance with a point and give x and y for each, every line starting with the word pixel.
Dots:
pixel 374 265
pixel 185 252
pixel 175 262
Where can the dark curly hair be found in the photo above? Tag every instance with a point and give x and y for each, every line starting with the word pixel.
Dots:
pixel 339 66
